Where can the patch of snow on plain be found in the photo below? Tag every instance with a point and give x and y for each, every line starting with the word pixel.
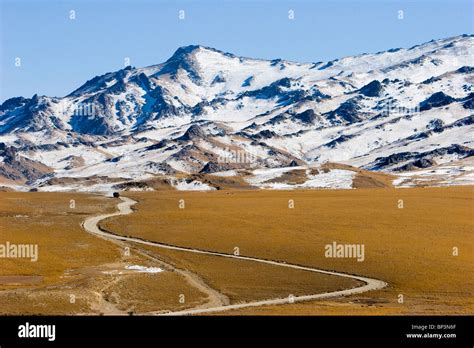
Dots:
pixel 183 185
pixel 226 173
pixel 265 174
pixel 443 175
pixel 143 269
pixel 334 179
pixel 100 188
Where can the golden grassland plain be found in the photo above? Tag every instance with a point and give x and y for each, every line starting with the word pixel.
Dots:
pixel 409 237
pixel 76 272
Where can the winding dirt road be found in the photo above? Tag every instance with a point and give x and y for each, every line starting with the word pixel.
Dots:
pixel 91 225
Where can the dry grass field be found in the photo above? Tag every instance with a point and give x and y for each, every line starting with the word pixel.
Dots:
pixel 410 247
pixel 408 234
pixel 73 262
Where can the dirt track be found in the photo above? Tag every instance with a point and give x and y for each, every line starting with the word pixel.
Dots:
pixel 91 225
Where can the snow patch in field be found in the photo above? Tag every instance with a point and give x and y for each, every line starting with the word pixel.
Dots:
pixel 333 179
pixel 450 174
pixel 79 187
pixel 140 189
pixel 226 173
pixel 19 188
pixel 143 269
pixel 183 185
pixel 265 174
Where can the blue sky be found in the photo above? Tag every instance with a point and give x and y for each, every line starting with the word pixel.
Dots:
pixel 59 54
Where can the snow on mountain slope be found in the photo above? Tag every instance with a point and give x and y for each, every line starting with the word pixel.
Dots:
pixel 206 111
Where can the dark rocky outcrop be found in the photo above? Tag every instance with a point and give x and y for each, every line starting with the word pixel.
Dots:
pixel 307 116
pixel 372 89
pixel 419 159
pixel 341 139
pixel 469 102
pixel 18 168
pixel 417 164
pixel 213 167
pixel 465 69
pixel 436 100
pixel 192 132
pixel 348 111
pixel 265 134
pixel 436 125
pixel 14 103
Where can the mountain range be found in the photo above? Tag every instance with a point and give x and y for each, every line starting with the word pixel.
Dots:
pixel 207 119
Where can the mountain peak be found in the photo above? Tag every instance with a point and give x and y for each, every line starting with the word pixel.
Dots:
pixel 185 58
pixel 184 52
pixel 204 106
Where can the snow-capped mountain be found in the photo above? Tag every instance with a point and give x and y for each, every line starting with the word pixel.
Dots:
pixel 205 113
